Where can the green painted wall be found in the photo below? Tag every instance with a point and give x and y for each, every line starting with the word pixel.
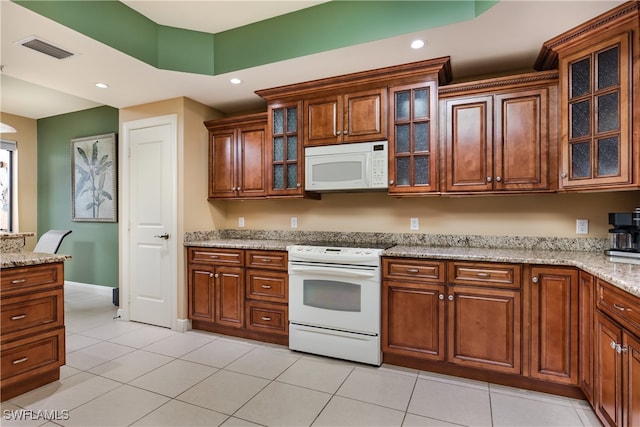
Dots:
pixel 331 25
pixel 93 245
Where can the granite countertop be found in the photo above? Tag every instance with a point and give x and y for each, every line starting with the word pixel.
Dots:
pixel 625 275
pixel 23 259
pixel 257 244
pixel 17 235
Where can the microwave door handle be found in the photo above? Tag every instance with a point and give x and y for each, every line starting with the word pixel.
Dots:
pixel 331 271
pixel 367 169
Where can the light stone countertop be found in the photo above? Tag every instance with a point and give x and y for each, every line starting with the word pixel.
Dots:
pixel 624 275
pixel 23 259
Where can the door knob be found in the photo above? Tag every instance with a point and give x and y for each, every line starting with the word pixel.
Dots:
pixel 164 236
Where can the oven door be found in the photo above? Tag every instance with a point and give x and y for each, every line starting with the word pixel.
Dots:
pixel 335 297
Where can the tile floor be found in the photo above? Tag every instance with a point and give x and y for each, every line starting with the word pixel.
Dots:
pixel 124 373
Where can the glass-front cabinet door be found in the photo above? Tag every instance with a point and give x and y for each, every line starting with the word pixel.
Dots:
pixel 413 139
pixel 596 123
pixel 285 151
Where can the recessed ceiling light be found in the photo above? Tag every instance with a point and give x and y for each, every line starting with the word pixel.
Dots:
pixel 102 85
pixel 417 44
pixel 235 81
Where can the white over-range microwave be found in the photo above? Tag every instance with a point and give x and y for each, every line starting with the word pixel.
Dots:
pixel 347 167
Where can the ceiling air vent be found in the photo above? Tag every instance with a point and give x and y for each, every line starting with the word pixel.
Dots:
pixel 45 47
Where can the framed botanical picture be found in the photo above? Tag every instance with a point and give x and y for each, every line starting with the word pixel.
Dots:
pixel 94 178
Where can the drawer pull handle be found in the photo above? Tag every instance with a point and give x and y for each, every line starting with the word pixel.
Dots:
pixel 13 282
pixel 619 307
pixel 19 317
pixel 266 260
pixel 266 319
pixel 412 270
pixel 266 286
pixel 19 361
pixel 480 274
pixel 214 256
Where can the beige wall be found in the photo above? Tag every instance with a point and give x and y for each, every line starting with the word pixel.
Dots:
pixel 27 141
pixel 550 215
pixel 194 213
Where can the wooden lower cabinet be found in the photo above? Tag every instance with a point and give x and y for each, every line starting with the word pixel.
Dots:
pixel 608 392
pixel 554 324
pixel 32 332
pixel 586 297
pixel 239 292
pixel 484 328
pixel 426 318
pixel 413 318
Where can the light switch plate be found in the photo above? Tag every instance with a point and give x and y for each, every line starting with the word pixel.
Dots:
pixel 294 222
pixel 414 224
pixel 582 226
pixel 240 221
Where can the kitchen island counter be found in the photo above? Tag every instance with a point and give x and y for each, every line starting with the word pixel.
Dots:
pixel 23 259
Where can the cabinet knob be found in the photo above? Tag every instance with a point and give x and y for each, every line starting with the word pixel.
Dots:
pixel 440 296
pixel 450 297
pixel 534 279
pixel 210 274
pixel 338 133
pixel 489 179
pixel 216 275
pixel 499 178
pixel 345 133
pixel 298 185
pixel 563 175
pixel 390 182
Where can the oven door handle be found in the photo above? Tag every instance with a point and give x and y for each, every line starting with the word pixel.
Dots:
pixel 339 272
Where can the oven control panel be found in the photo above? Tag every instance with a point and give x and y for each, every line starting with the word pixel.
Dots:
pixel 334 254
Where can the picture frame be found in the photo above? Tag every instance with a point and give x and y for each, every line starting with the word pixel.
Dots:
pixel 94 187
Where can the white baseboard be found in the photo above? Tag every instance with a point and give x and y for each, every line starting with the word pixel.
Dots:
pixel 183 325
pixel 96 289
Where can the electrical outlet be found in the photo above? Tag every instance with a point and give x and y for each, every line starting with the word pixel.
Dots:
pixel 582 226
pixel 240 221
pixel 294 222
pixel 414 224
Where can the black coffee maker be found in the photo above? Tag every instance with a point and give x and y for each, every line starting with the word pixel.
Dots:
pixel 624 237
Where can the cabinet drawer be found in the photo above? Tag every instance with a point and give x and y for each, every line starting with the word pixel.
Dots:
pixel 271 260
pixel 620 305
pixel 39 353
pixel 413 269
pixel 32 312
pixel 216 256
pixel 264 317
pixel 267 285
pixel 20 279
pixel 485 274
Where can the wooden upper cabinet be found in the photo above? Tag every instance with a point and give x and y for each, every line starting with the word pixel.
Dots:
pixel 343 118
pixel 500 134
pixel 599 66
pixel 413 139
pixel 237 156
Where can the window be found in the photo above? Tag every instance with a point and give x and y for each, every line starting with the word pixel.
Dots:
pixel 7 184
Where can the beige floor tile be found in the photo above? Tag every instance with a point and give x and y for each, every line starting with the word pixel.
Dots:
pixel 412 420
pixel 341 411
pixel 218 353
pixel 384 388
pixel 450 402
pixel 75 342
pixel 97 354
pixel 264 362
pixel 110 329
pixel 237 422
pixel 179 414
pixel 511 411
pixel 66 394
pixel 318 374
pixel 68 371
pixel 224 391
pixel 142 337
pixel 119 407
pixel 284 405
pixel 131 365
pixel 179 344
pixel 530 394
pixel 14 416
pixel 173 378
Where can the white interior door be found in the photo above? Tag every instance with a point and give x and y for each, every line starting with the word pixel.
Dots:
pixel 151 203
